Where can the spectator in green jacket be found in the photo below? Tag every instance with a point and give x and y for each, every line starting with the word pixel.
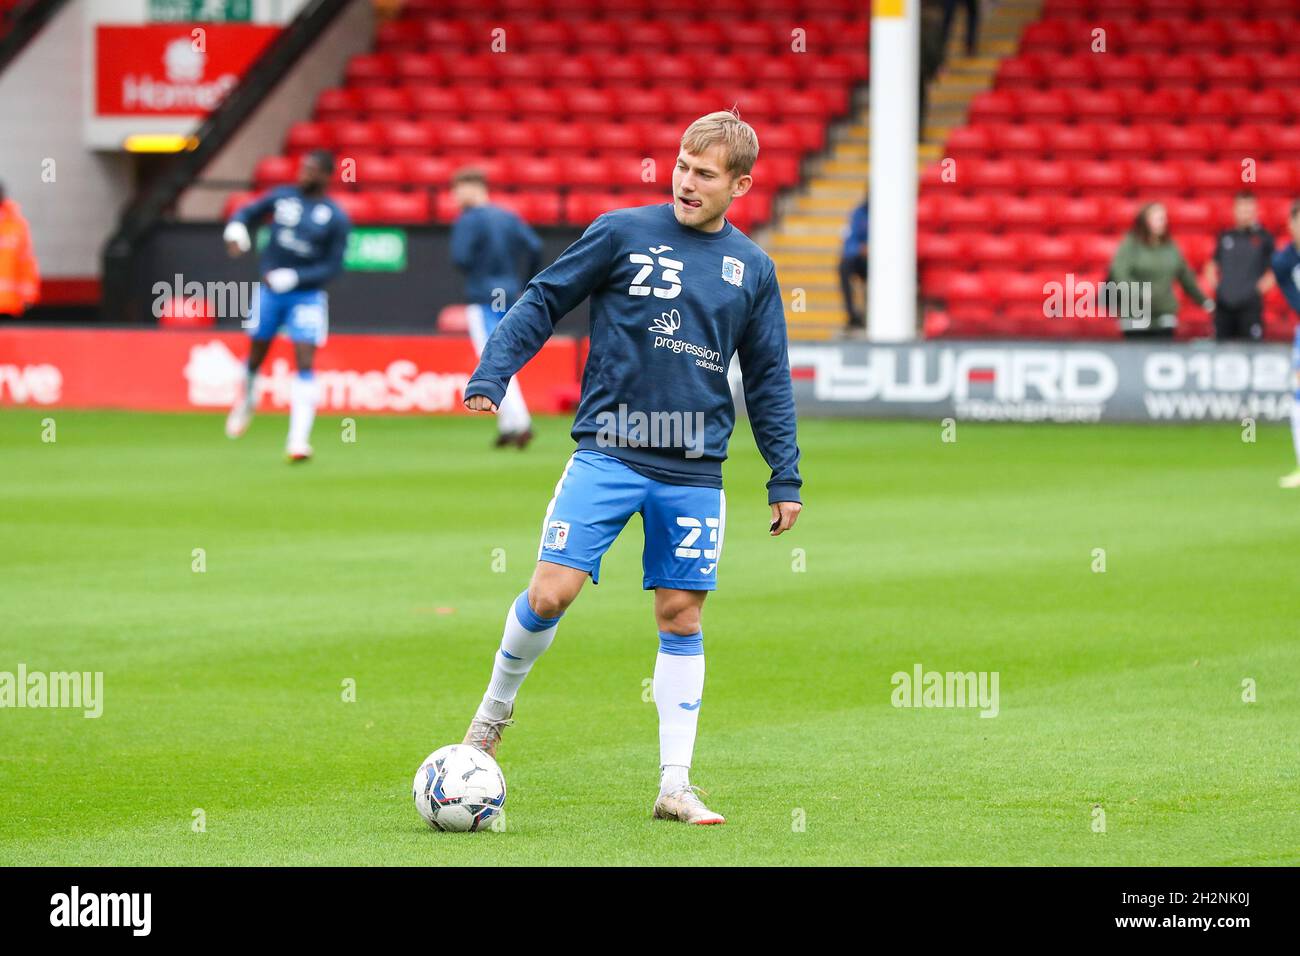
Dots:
pixel 1150 258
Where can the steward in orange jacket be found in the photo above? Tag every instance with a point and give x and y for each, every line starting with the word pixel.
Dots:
pixel 20 281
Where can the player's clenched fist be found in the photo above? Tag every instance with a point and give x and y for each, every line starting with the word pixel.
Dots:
pixel 784 515
pixel 480 403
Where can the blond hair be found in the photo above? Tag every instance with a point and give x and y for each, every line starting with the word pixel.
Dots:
pixel 724 127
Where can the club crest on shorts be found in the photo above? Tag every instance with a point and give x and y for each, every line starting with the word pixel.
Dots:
pixel 557 536
pixel 733 270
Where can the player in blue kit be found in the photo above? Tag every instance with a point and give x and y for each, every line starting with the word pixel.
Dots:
pixel 675 291
pixel 1286 269
pixel 309 234
pixel 488 244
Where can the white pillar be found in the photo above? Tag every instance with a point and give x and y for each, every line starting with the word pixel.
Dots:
pixel 895 56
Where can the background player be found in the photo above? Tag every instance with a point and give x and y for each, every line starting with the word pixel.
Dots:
pixel 675 291
pixel 487 244
pixel 309 234
pixel 1286 268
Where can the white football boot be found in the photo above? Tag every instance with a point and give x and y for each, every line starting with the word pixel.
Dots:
pixel 685 806
pixel 297 453
pixel 239 417
pixel 1290 481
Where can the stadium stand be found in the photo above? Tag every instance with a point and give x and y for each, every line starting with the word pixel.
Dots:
pixel 565 122
pixel 805 241
pixel 1186 105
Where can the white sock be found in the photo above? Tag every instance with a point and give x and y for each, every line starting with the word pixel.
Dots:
pixel 678 690
pixel 526 638
pixel 302 409
pixel 1295 429
pixel 512 416
pixel 673 778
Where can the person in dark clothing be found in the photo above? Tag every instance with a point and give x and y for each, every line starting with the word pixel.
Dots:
pixel 1240 268
pixel 853 262
pixel 488 243
pixel 972 23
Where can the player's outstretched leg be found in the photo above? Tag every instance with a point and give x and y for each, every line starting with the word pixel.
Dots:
pixel 513 420
pixel 530 627
pixel 242 412
pixel 679 692
pixel 303 396
pixel 1293 480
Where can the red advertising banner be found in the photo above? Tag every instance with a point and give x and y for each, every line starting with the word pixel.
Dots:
pixel 193 371
pixel 172 69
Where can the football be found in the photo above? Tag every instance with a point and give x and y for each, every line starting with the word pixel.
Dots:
pixel 460 789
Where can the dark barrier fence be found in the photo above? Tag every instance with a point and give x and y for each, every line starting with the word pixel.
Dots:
pixel 397 278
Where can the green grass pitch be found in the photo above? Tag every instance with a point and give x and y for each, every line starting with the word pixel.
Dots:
pixel 223 690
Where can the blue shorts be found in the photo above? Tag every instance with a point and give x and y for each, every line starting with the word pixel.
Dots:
pixel 596 496
pixel 303 314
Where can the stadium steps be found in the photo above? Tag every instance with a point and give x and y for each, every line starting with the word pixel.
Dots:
pixel 964 77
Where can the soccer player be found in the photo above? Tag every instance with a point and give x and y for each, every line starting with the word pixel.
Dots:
pixel 675 291
pixel 487 244
pixel 1286 269
pixel 309 233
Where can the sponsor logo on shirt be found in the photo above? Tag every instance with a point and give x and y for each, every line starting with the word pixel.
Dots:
pixel 666 326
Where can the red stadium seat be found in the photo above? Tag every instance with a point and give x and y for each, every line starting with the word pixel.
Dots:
pixel 1116 72
pixel 1020 141
pixel 274 171
pixel 425 171
pixel 1181 142
pixel 1078 215
pixel 337 104
pixel 369 69
pixel 305 136
pixel 539 103
pixel 1023 213
pixel 1023 72
pixel 400 207
pixel 967 214
pixel 1049 252
pixel 410 136
pixel 358 205
pixel 988 177
pixel 994 106
pixel 372 171
pixel 1100 177
pixel 485 106
pixel 1125 142
pixel 1158 178
pixel 1096 106
pixel 1188 215
pixel 618 137
pixel 1048 178
pixel 1072 141
pixel 970 141
pixel 996 251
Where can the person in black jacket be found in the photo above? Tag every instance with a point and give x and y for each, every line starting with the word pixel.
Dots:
pixel 1240 267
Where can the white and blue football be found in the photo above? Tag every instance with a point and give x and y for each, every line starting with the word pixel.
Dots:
pixel 459 789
